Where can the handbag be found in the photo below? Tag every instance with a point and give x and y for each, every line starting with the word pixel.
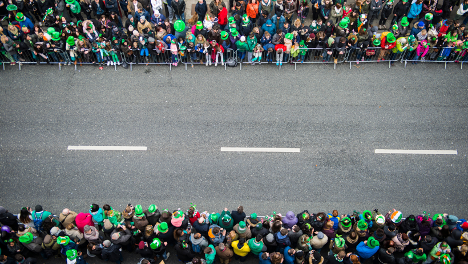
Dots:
pixel 370 52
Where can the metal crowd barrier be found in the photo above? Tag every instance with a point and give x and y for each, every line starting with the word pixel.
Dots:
pixel 314 55
pixel 372 54
pixel 439 55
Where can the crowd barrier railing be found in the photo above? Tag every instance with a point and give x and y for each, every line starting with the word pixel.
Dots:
pixel 437 55
pixel 372 54
pixel 313 55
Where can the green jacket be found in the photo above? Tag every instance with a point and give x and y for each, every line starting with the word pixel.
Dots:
pixel 255 248
pixel 210 257
pixel 251 43
pixel 242 46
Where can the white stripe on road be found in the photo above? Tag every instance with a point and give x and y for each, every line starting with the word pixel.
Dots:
pixel 106 148
pixel 413 151
pixel 261 149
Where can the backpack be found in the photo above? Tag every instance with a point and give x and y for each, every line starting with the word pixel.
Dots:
pixel 231 62
pixel 38 222
pixel 196 248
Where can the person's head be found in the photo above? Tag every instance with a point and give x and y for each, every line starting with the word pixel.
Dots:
pixel 418 2
pixel 341 255
pixel 284 231
pixel 207 250
pixel 352 235
pixel 443 245
pixel 216 230
pixel 265 255
pixel 19 258
pixel 279 31
pixel 390 250
pixel 106 243
pixel 354 259
pixel 291 252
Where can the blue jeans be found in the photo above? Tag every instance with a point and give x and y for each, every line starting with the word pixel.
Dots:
pixel 174 58
pixel 241 54
pixel 144 51
pixel 98 56
pixel 326 57
pixel 181 17
pixel 194 56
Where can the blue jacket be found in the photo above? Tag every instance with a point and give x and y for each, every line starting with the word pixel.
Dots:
pixel 169 35
pixel 415 31
pixel 415 10
pixel 215 239
pixel 263 261
pixel 281 240
pixel 98 216
pixel 288 259
pixel 271 29
pixel 145 14
pixel 27 22
pixel 156 20
pixel 364 251
pixel 446 51
pixel 280 21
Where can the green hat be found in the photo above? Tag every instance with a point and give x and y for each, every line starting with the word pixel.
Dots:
pixel 242 224
pixel 71 40
pixel 465 45
pixel 224 35
pixel 344 23
pixel 231 20
pixel 226 218
pixel 49 11
pixel 411 39
pixel 214 218
pixel 289 36
pixel 199 25
pixel 162 227
pixel 339 241
pixel 395 27
pixel 11 7
pixel 69 1
pixel 72 254
pixel 56 36
pixel 234 32
pixel 372 242
pixel 178 214
pixel 155 244
pixel 63 240
pixel 152 208
pixel 346 222
pixel 50 30
pixel 182 47
pixel 362 223
pixel 26 238
pixel 253 216
pixel 429 16
pixel 376 42
pixel 139 211
pixel 404 21
pixel 301 43
pixel 391 38
pixel 173 41
pixel 245 19
pixel 367 214
pixel 179 25
pixel 20 17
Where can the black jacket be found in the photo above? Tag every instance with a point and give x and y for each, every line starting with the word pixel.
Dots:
pixel 384 257
pixel 10 220
pixel 401 9
pixel 179 7
pixel 184 254
pixel 111 253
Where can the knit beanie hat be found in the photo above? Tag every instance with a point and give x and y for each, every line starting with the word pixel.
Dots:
pixel 38 208
pixel 270 237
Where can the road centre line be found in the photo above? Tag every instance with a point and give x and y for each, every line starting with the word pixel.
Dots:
pixel 106 148
pixel 261 149
pixel 413 151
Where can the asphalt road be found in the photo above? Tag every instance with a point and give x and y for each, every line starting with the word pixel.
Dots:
pixel 336 117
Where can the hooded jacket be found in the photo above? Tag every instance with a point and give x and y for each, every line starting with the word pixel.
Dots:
pixel 289 220
pixel 94 236
pixel 83 219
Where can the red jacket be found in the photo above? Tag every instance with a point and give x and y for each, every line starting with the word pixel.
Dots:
pixel 222 17
pixel 385 43
pixel 280 46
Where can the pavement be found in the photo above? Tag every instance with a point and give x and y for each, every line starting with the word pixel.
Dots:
pixel 336 117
